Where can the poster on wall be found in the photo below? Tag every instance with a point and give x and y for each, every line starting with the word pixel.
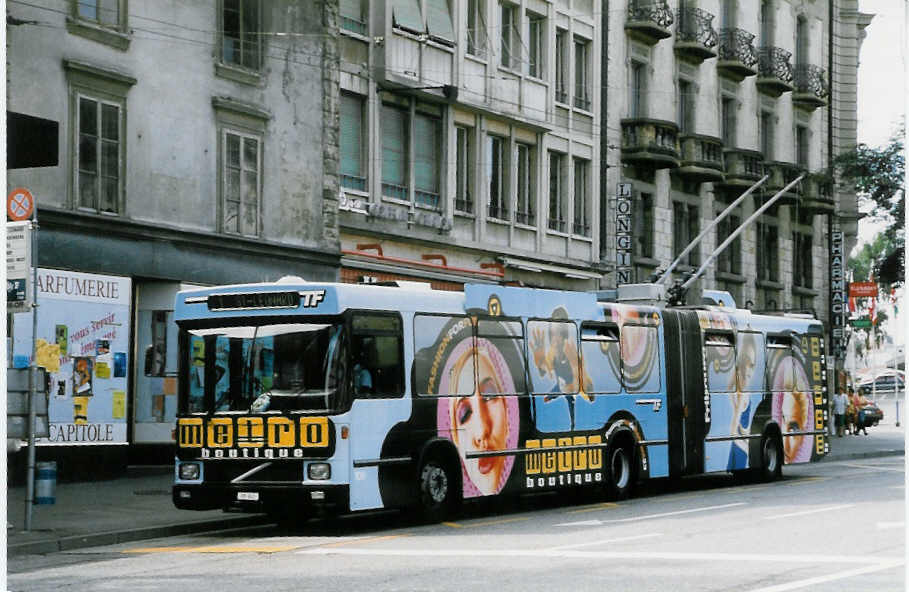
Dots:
pixel 83 343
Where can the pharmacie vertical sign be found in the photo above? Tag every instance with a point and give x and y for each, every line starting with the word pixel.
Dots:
pixel 838 308
pixel 82 340
pixel 624 273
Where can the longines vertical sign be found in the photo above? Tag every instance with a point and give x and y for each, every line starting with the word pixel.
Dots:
pixel 623 246
pixel 837 294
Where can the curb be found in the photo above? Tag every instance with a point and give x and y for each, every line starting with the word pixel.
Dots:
pixel 858 455
pixel 70 543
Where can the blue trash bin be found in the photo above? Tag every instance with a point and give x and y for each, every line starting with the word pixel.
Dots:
pixel 46 483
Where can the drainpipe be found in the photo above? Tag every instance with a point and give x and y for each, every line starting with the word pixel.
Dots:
pixel 604 126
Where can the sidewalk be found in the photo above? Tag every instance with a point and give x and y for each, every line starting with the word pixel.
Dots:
pixel 138 506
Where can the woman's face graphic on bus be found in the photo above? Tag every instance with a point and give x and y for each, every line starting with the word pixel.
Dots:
pixel 480 424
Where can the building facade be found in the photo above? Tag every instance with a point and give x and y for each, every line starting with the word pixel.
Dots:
pixel 470 141
pixel 196 144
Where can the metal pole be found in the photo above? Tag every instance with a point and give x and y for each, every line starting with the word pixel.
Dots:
pixel 666 274
pixel 737 232
pixel 32 380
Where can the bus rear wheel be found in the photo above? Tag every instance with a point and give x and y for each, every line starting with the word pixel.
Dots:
pixel 438 490
pixel 771 458
pixel 619 471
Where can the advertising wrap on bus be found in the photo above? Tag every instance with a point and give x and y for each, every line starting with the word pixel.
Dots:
pixel 353 397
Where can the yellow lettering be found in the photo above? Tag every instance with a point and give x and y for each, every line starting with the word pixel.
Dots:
pixel 189 432
pixel 564 456
pixel 250 432
pixel 549 458
pixel 819 444
pixel 280 432
pixel 815 347
pixel 818 419
pixel 314 432
pixel 595 454
pixel 580 456
pixel 220 432
pixel 816 370
pixel 533 462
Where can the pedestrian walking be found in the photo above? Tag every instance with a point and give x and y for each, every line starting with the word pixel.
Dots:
pixel 839 412
pixel 858 403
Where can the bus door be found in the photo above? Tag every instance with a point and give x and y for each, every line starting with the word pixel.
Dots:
pixel 688 413
pixel 375 381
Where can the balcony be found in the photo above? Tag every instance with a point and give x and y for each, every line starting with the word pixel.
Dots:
pixel 695 37
pixel 649 20
pixel 650 143
pixel 744 168
pixel 737 56
pixel 817 197
pixel 774 71
pixel 702 159
pixel 781 174
pixel 811 90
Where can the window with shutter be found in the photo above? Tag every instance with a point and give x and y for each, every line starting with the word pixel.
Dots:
pixel 352 170
pixel 427 141
pixel 438 21
pixel 394 152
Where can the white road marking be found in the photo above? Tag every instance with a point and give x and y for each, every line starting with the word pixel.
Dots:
pixel 889 525
pixel 608 541
pixel 829 577
pixel 616 555
pixel 649 516
pixel 876 467
pixel 806 512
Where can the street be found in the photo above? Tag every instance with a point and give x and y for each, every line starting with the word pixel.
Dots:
pixel 826 526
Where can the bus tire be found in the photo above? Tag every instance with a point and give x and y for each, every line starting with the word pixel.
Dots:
pixel 620 474
pixel 439 492
pixel 771 458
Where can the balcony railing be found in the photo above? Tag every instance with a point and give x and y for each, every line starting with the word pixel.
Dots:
pixel 581 229
pixel 817 197
pixel 353 182
pixel 464 205
pixel 737 56
pixel 695 37
pixel 526 218
pixel 582 99
pixel 396 191
pixel 649 20
pixel 556 224
pixel 702 158
pixel 354 25
pixel 774 71
pixel 651 143
pixel 743 167
pixel 426 198
pixel 498 212
pixel 811 90
pixel 781 174
pixel 561 96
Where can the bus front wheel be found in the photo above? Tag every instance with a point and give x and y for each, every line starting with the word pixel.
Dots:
pixel 438 490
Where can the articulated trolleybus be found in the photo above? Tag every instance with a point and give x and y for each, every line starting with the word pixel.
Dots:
pixel 297 397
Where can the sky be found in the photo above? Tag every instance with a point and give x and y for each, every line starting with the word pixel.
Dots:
pixel 882 99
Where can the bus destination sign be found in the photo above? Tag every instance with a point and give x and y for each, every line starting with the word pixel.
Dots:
pixel 253 300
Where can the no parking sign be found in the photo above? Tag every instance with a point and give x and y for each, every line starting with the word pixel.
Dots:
pixel 19 204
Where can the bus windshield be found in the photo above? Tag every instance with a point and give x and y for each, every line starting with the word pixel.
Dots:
pixel 261 368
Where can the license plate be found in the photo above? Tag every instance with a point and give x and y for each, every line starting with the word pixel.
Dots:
pixel 248 496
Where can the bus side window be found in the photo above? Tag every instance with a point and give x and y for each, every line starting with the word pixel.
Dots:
pixel 601 358
pixel 640 359
pixel 780 363
pixel 376 353
pixel 500 356
pixel 443 361
pixel 719 355
pixel 749 362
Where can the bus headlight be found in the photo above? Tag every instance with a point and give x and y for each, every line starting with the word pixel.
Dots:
pixel 319 471
pixel 189 471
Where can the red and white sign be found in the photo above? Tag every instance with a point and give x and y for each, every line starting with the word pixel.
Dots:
pixel 19 204
pixel 862 290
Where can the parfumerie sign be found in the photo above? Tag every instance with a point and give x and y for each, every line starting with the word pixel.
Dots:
pixel 837 295
pixel 394 213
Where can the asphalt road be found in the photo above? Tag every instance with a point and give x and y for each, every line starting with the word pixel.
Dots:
pixel 836 526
